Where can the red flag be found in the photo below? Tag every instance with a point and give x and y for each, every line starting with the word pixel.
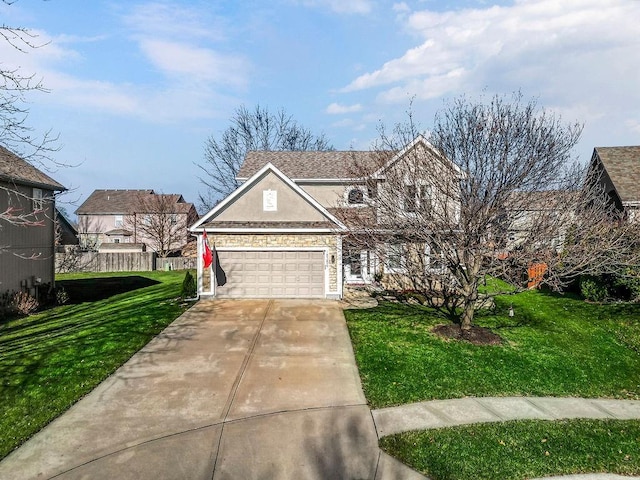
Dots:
pixel 207 256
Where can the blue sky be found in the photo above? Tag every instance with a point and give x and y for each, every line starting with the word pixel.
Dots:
pixel 136 87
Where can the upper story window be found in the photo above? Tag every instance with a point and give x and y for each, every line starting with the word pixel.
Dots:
pixel 38 199
pixel 355 196
pixel 119 220
pixel 417 197
pixel 410 198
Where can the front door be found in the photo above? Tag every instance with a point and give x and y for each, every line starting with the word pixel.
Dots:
pixel 355 264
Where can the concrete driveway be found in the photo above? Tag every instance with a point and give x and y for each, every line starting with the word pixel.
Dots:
pixel 233 389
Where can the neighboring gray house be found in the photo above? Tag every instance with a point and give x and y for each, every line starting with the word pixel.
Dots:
pixel 618 170
pixel 27 225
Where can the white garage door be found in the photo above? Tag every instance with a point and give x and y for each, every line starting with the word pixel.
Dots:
pixel 272 274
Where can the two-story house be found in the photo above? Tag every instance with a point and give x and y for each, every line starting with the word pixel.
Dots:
pixel 135 218
pixel 294 226
pixel 27 225
pixel 617 169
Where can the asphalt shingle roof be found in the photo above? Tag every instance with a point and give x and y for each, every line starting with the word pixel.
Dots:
pixel 623 166
pixel 17 170
pixel 111 201
pixel 117 202
pixel 311 164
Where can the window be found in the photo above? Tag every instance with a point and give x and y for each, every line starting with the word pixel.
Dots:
pixel 38 199
pixel 355 196
pixel 395 258
pixel 410 198
pixel 425 196
pixel 435 260
pixel 118 221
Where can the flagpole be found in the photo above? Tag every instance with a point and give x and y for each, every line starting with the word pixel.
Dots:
pixel 214 280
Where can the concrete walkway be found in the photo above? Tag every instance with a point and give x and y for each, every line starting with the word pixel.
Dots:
pixel 449 413
pixel 253 390
pixel 231 390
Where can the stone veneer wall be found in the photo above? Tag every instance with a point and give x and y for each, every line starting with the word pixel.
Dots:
pixel 283 240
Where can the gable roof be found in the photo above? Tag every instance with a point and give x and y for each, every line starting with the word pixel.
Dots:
pixel 311 165
pixel 332 220
pixel 14 169
pixel 113 202
pixel 118 202
pixel 622 164
pixel 419 140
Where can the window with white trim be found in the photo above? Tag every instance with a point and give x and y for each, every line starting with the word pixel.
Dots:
pixel 434 260
pixel 355 196
pixel 37 199
pixel 417 197
pixel 118 221
pixel 410 198
pixel 394 259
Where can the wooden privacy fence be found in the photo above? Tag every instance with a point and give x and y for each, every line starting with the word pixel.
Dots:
pixel 119 262
pixel 536 273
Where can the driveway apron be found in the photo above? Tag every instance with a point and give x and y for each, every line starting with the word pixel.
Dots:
pixel 233 389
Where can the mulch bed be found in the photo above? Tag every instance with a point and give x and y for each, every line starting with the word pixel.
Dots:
pixel 475 335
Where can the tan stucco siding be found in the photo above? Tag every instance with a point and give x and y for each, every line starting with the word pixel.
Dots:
pixel 291 207
pixel 328 196
pixel 293 241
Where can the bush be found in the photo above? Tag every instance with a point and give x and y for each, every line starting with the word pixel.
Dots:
pixel 62 296
pixel 628 285
pixel 623 286
pixel 14 304
pixel 189 288
pixel 24 303
pixel 593 288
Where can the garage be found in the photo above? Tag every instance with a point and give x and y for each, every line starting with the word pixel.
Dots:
pixel 272 274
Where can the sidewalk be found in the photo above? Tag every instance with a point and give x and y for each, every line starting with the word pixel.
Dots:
pixel 449 413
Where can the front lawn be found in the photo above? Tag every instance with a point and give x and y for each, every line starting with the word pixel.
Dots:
pixel 521 449
pixel 554 345
pixel 50 360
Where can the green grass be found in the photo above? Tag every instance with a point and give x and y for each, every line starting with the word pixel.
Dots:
pixel 50 360
pixel 554 345
pixel 521 449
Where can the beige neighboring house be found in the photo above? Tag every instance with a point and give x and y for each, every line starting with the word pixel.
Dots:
pixel 27 225
pixel 126 220
pixel 280 234
pixel 618 170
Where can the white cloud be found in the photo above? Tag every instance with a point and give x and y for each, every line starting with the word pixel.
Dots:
pixel 575 49
pixel 337 109
pixel 195 64
pixel 340 6
pixel 166 20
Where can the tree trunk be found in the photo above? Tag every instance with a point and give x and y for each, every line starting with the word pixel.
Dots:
pixel 468 310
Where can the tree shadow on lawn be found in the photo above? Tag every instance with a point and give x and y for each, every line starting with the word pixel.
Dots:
pixel 93 289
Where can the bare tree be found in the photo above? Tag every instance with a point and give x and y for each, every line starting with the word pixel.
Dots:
pixel 494 193
pixel 15 133
pixel 160 221
pixel 257 129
